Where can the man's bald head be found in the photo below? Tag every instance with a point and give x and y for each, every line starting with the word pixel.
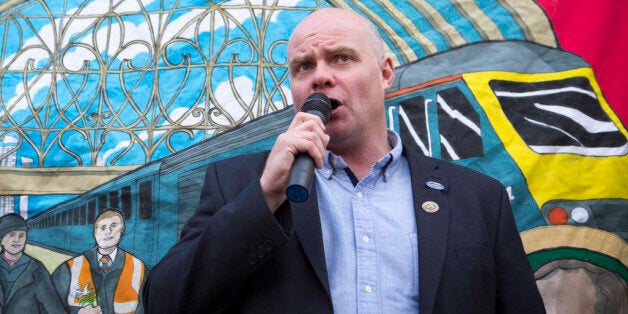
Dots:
pixel 334 17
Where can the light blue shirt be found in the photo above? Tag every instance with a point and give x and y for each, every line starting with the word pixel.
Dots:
pixel 370 235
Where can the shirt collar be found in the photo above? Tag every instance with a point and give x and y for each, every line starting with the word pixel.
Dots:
pixel 385 166
pixel 112 255
pixel 22 260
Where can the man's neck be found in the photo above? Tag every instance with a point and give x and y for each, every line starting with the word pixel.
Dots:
pixel 107 251
pixel 11 259
pixel 361 158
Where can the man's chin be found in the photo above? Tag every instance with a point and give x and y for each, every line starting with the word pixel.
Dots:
pixel 107 246
pixel 15 250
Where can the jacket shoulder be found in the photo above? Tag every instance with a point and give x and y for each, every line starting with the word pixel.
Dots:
pixel 242 162
pixel 451 172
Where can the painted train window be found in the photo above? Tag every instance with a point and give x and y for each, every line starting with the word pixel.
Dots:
pixel 113 199
pixel 102 203
pixel 146 199
pixel 91 212
pixel 126 202
pixel 457 127
pixel 561 116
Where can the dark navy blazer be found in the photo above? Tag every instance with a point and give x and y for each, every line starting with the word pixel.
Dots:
pixel 234 256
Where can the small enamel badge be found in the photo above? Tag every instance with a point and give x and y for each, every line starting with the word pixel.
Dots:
pixel 435 185
pixel 430 207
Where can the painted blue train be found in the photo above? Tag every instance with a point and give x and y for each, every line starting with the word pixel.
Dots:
pixel 156 199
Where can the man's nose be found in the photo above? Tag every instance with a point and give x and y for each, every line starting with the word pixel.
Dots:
pixel 322 78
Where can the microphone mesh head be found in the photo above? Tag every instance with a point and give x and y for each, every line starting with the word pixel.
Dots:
pixel 318 104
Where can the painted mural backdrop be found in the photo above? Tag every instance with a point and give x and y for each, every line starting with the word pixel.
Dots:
pixel 111 110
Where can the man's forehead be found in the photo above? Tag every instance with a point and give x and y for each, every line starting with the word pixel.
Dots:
pixel 328 22
pixel 330 47
pixel 329 42
pixel 107 220
pixel 331 17
pixel 16 232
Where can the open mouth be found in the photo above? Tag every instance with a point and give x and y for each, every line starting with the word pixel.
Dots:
pixel 334 103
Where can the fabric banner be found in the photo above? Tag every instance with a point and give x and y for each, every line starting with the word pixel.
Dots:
pixel 110 112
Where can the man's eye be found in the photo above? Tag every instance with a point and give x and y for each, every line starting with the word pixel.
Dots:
pixel 344 58
pixel 304 67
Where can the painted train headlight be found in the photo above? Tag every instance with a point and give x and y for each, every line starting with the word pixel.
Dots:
pixel 605 214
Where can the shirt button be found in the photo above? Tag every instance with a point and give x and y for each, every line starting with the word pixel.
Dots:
pixel 365 238
pixel 368 289
pixel 359 194
pixel 252 259
pixel 327 172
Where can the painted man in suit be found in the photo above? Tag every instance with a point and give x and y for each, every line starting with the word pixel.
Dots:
pixel 105 279
pixel 26 286
pixel 385 230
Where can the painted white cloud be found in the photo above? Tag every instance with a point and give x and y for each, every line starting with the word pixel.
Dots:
pixel 224 92
pixel 190 119
pixel 40 47
pixel 34 85
pixel 110 38
pixel 244 13
pixel 102 7
pixel 10 140
pixel 228 100
pixel 122 145
pixel 244 86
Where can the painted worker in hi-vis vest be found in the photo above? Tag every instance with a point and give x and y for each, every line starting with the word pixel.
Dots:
pixel 104 279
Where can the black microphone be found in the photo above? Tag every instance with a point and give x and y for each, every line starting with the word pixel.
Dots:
pixel 302 171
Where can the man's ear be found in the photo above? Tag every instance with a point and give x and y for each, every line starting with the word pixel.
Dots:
pixel 388 72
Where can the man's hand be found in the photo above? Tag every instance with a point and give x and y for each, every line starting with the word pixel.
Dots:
pixel 306 134
pixel 90 309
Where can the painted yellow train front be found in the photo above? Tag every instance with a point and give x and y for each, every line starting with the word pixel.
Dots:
pixel 534 118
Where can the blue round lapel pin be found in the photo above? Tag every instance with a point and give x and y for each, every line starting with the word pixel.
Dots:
pixel 435 185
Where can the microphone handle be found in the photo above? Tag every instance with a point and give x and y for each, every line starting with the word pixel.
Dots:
pixel 301 178
pixel 302 171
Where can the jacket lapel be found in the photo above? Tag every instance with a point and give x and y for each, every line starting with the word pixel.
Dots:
pixel 308 231
pixel 432 225
pixel 22 281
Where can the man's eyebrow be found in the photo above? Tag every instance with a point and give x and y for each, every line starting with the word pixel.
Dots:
pixel 340 49
pixel 299 58
pixel 332 50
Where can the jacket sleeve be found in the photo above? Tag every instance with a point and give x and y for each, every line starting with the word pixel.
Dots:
pixel 220 245
pixel 46 294
pixel 516 290
pixel 61 281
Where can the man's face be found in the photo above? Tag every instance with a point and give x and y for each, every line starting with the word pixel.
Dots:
pixel 14 241
pixel 108 232
pixel 337 59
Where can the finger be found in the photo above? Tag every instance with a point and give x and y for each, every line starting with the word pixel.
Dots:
pixel 314 143
pixel 303 118
pixel 311 142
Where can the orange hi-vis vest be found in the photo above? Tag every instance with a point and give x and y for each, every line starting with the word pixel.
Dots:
pixel 126 296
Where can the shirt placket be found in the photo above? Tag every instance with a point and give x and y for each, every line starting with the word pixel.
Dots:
pixel 366 254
